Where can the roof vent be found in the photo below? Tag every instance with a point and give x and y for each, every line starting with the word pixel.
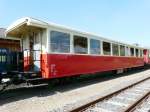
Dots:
pixel 136 44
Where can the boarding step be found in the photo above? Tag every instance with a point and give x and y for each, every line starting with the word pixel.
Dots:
pixel 31 73
pixel 38 80
pixel 27 74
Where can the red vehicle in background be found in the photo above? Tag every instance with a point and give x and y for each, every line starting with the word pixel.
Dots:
pixel 146 56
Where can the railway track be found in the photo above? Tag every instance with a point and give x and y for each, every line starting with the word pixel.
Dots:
pixel 135 97
pixel 143 106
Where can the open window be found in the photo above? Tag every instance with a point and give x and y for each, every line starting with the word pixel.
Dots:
pixel 94 46
pixel 115 49
pixel 132 51
pixel 106 48
pixel 60 42
pixel 137 52
pixel 80 44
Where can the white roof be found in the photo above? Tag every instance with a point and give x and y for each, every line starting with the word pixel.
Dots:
pixel 38 23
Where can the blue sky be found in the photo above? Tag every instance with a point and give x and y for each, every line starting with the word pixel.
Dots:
pixel 123 20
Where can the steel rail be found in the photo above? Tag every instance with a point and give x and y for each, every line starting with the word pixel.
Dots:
pixel 132 107
pixel 91 104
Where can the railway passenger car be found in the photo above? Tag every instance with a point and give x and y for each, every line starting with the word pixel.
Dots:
pixel 57 51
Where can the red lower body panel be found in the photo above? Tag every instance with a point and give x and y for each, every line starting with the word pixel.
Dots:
pixel 61 65
pixel 149 61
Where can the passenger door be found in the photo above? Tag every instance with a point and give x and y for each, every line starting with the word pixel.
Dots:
pixel 37 46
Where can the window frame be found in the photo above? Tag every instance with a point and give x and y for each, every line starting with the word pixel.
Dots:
pixel 133 51
pixel 87 46
pixel 50 41
pixel 103 48
pixel 99 41
pixel 136 51
pixel 141 53
pixel 113 49
pixel 128 52
pixel 124 50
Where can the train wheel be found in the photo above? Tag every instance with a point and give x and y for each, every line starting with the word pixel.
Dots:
pixel 125 70
pixel 53 82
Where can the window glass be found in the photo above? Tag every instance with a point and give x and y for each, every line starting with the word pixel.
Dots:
pixel 80 45
pixel 122 50
pixel 127 51
pixel 3 58
pixel 106 48
pixel 141 53
pixel 132 51
pixel 60 42
pixel 94 46
pixel 36 38
pixel 137 52
pixel 115 49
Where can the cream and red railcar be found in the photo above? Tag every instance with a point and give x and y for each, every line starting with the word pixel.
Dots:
pixel 57 51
